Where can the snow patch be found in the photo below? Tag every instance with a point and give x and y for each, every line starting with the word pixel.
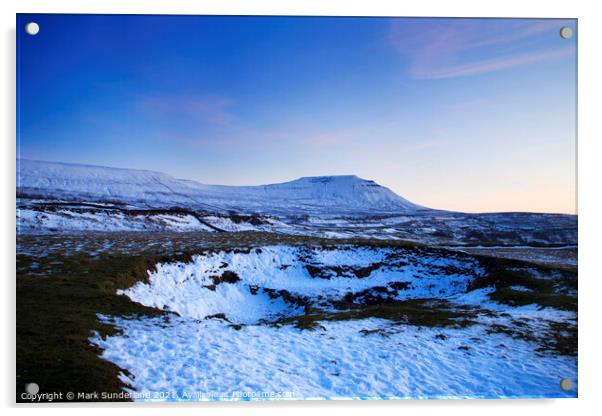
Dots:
pixel 208 360
pixel 105 220
pixel 190 290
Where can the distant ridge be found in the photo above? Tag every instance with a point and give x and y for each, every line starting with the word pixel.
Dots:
pixel 347 194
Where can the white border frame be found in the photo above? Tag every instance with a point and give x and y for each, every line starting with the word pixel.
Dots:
pixel 589 196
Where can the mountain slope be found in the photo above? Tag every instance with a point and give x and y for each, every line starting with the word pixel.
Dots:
pixel 141 188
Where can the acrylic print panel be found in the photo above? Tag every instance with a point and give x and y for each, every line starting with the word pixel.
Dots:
pixel 268 208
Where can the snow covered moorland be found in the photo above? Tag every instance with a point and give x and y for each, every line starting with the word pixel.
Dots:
pixel 339 322
pixel 321 287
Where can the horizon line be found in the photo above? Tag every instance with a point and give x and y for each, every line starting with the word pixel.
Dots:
pixel 297 178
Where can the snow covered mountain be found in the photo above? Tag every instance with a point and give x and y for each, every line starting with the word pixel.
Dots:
pixel 148 189
pixel 62 197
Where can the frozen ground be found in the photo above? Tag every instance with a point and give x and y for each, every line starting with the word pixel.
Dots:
pixel 67 220
pixel 259 278
pixel 553 256
pixel 184 359
pixel 343 293
pixel 234 329
pixel 447 229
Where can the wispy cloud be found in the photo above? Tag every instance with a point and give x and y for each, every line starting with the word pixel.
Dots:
pixel 447 48
pixel 496 64
pixel 195 109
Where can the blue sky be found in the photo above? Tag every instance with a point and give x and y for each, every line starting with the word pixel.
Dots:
pixel 466 114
